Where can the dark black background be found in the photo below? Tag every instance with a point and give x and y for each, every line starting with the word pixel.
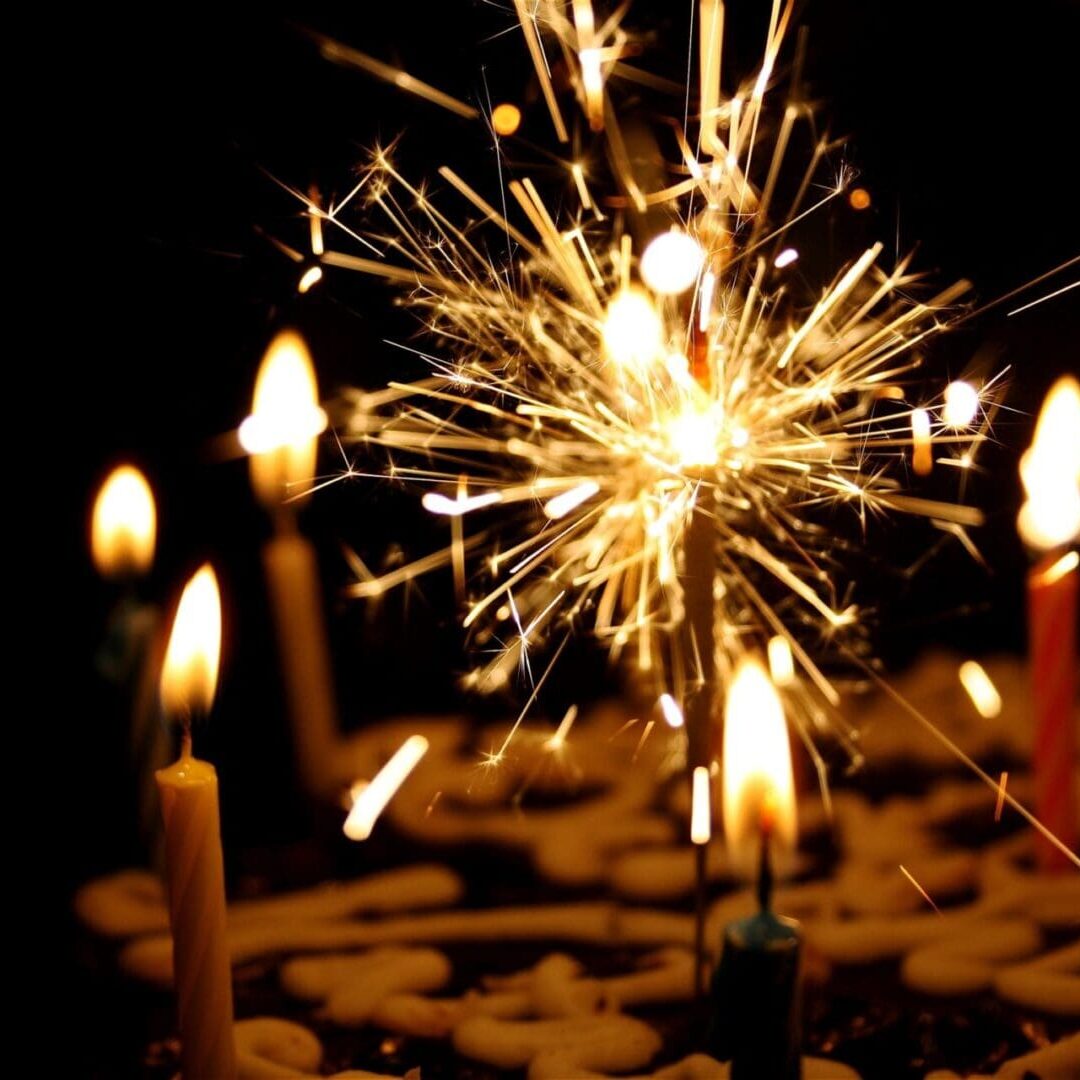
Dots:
pixel 161 294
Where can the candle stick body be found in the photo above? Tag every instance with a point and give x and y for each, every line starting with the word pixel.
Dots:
pixel 196 880
pixel 293 578
pixel 755 991
pixel 1052 612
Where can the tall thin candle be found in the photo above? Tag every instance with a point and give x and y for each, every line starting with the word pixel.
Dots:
pixel 281 436
pixel 194 863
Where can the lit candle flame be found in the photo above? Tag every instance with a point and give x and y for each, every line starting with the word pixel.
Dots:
pixel 981 689
pixel 758 781
pixel 1050 471
pixel 700 808
pixel 124 524
pixel 371 799
pixel 285 421
pixel 189 674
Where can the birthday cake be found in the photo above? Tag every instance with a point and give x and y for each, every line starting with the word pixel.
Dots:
pixel 541 922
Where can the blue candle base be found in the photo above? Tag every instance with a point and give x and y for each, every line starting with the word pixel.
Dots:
pixel 756 1021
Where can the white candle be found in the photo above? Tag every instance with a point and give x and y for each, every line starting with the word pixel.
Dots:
pixel 194 863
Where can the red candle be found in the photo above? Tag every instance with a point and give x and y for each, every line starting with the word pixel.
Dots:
pixel 1052 595
pixel 1049 522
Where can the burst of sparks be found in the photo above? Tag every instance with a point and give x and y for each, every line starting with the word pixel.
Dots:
pixel 582 420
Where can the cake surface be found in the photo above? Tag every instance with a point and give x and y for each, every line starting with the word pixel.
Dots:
pixel 536 917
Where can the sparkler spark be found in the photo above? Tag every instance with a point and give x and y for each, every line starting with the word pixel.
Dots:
pixel 580 417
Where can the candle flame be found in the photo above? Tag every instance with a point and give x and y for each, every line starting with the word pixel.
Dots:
pixel 124 524
pixel 190 672
pixel 1050 471
pixel 758 781
pixel 981 689
pixel 371 798
pixel 700 808
pixel 285 421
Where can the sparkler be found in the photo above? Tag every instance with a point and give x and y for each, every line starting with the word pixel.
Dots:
pixel 636 419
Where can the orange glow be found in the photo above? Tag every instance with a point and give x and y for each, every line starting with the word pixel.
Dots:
pixel 189 674
pixel 505 118
pixel 758 781
pixel 922 456
pixel 859 199
pixel 1057 570
pixel 123 526
pixel 700 810
pixel 281 432
pixel 370 799
pixel 1050 471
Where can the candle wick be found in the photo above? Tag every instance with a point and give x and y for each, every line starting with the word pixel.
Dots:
pixel 765 874
pixel 185 742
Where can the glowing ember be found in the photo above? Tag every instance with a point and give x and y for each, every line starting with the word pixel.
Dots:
pixel 370 799
pixel 981 689
pixel 785 258
pixel 671 263
pixel 700 808
pixel 758 781
pixel 1050 471
pixel 280 434
pixel 190 671
pixel 123 527
pixel 633 332
pixel 505 119
pixel 961 404
pixel 922 457
pixel 781 662
pixel 922 892
pixel 672 713
pixel 308 280
pixel 999 806
pixel 859 199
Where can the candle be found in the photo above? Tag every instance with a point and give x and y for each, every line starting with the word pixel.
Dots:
pixel 1049 521
pixel 756 987
pixel 195 870
pixel 123 533
pixel 281 436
